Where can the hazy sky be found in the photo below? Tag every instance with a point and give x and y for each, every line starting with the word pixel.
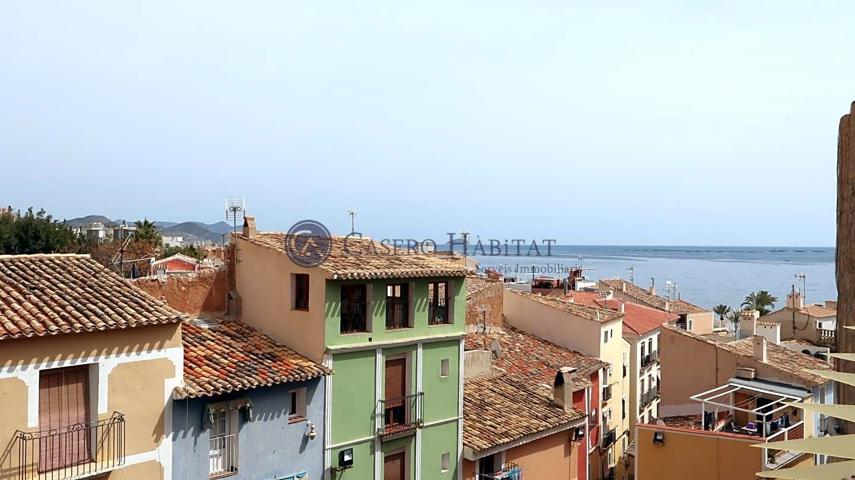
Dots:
pixel 589 122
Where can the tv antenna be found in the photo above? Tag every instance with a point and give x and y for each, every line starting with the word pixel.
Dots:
pixel 352 214
pixel 803 277
pixel 235 206
pixel 631 274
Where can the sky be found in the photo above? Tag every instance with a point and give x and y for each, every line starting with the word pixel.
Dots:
pixel 667 123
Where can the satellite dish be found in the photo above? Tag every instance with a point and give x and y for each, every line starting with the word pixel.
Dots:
pixel 496 348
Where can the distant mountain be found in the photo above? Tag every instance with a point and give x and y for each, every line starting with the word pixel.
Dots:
pixel 190 231
pixel 80 221
pixel 221 227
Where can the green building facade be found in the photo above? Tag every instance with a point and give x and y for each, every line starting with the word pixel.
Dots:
pixel 396 393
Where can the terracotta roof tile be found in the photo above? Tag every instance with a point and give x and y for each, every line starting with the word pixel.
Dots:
pixel 583 311
pixel 527 356
pixel 475 284
pixel 232 356
pixel 819 311
pixel 645 297
pixel 363 259
pixel 502 408
pixel 52 294
pixel 637 319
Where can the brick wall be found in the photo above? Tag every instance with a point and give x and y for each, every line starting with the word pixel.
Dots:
pixel 487 295
pixel 203 292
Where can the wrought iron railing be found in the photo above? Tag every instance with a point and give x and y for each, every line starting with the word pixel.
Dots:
pixel 353 317
pixel 223 455
pixel 75 451
pixel 607 393
pixel 438 315
pixel 400 416
pixel 608 438
pixel 397 314
pixel 649 396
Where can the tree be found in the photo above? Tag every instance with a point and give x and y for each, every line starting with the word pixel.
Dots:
pixel 734 316
pixel 721 310
pixel 34 232
pixel 762 301
pixel 147 232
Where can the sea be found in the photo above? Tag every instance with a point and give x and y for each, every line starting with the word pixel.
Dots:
pixel 705 276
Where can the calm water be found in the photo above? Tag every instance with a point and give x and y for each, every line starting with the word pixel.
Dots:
pixel 705 276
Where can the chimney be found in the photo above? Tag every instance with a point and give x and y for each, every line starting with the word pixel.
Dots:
pixel 621 307
pixel 562 388
pixel 760 348
pixel 796 300
pixel 652 286
pixel 623 287
pixel 248 227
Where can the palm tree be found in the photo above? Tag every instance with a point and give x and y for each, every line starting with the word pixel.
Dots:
pixel 721 310
pixel 734 315
pixel 762 301
pixel 147 232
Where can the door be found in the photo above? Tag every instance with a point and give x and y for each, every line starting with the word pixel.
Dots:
pixel 64 415
pixel 394 467
pixel 395 389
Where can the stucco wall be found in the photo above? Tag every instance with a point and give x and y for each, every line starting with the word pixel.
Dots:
pixel 263 281
pixel 704 456
pixel 555 456
pixel 269 446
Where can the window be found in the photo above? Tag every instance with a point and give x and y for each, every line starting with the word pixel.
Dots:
pixel 690 325
pixel 443 367
pixel 301 291
pixel 64 409
pixel 445 462
pixel 606 336
pixel 223 453
pixel 297 405
pixel 397 306
pixel 354 308
pixel 438 303
pixel 819 325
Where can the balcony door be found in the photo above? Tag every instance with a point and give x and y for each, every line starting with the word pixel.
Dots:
pixel 395 390
pixel 64 418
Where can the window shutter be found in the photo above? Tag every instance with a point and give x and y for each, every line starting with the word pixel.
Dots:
pixel 63 403
pixel 393 467
pixel 395 378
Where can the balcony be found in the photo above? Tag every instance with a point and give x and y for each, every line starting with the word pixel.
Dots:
pixel 649 396
pixel 509 471
pixel 827 338
pixel 608 438
pixel 607 393
pixel 223 457
pixel 78 451
pixel 400 416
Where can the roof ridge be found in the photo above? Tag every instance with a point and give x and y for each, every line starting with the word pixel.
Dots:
pixel 5 256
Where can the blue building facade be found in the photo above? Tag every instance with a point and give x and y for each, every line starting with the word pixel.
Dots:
pixel 273 432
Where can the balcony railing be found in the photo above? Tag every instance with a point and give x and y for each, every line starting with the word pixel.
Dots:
pixel 778 458
pixel 509 471
pixel 608 438
pixel 401 416
pixel 649 396
pixel 438 315
pixel 353 317
pixel 397 313
pixel 223 456
pixel 826 337
pixel 607 393
pixel 77 451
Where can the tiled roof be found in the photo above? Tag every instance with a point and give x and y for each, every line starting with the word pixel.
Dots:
pixel 819 311
pixel 784 359
pixel 637 319
pixel 527 356
pixel 674 306
pixel 500 409
pixel 52 294
pixel 232 356
pixel 583 311
pixel 780 358
pixel 363 259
